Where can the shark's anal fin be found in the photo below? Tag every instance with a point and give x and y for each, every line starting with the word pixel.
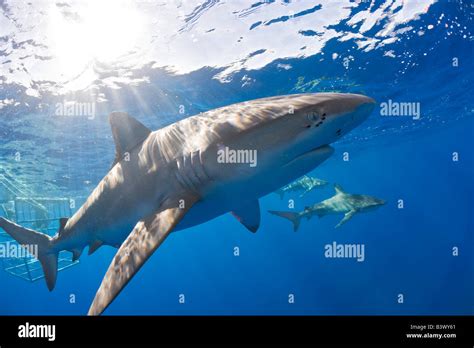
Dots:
pixel 145 238
pixel 346 217
pixel 76 254
pixel 249 215
pixel 127 133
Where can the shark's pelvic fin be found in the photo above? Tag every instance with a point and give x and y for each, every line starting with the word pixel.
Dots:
pixel 339 189
pixel 145 238
pixel 127 133
pixel 62 224
pixel 46 254
pixel 96 244
pixel 346 218
pixel 249 215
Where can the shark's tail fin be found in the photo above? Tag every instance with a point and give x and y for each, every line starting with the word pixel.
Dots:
pixel 46 255
pixel 293 217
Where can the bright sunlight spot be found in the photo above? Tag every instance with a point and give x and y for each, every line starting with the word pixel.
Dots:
pixel 101 30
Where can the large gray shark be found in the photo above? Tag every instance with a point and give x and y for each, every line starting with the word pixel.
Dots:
pixel 171 179
pixel 341 203
pixel 305 184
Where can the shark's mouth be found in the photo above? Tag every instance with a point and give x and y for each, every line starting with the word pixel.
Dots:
pixel 321 153
pixel 317 150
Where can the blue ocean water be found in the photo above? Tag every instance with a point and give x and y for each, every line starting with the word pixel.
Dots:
pixel 427 162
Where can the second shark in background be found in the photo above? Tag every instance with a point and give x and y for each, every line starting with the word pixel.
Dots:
pixel 341 203
pixel 305 184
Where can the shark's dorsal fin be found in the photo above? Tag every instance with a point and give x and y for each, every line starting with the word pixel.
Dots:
pixel 145 238
pixel 127 133
pixel 339 189
pixel 249 215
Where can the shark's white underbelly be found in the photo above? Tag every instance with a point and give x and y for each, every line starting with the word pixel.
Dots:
pixel 229 196
pixel 337 206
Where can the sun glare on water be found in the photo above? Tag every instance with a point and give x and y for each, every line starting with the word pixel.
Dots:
pixel 93 30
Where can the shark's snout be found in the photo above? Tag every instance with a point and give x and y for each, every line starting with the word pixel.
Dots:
pixel 363 99
pixel 362 107
pixel 350 110
pixel 377 203
pixel 316 119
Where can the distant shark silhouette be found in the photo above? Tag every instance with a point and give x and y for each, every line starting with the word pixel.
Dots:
pixel 305 184
pixel 341 203
pixel 170 179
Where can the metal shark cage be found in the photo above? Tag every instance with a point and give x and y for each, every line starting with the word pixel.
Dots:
pixel 40 214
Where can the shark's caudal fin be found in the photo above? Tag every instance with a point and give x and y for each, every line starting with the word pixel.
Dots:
pixel 295 218
pixel 46 255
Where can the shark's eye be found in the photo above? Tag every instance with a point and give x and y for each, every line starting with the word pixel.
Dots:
pixel 313 116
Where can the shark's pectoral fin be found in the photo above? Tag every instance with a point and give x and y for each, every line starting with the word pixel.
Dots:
pixel 249 215
pixel 305 192
pixel 145 238
pixel 346 217
pixel 127 133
